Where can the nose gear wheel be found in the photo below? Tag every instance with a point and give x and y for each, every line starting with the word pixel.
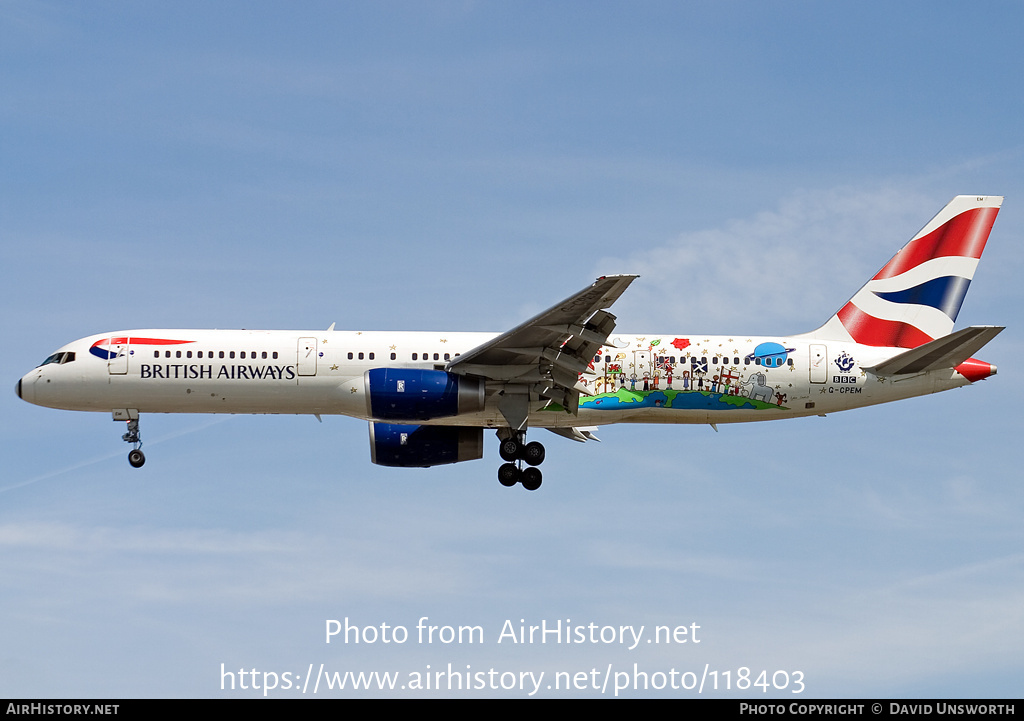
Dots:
pixel 135 456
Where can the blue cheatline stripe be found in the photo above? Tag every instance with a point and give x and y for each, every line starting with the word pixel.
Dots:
pixel 945 294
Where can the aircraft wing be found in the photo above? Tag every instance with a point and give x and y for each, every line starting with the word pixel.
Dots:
pixel 543 357
pixel 945 352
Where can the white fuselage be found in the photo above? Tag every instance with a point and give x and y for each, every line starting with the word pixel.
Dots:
pixel 633 379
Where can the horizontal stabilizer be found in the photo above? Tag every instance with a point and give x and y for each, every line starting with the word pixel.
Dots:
pixel 945 352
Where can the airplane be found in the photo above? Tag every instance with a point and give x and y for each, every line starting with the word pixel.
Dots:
pixel 429 396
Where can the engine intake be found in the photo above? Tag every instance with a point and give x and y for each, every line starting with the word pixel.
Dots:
pixel 410 394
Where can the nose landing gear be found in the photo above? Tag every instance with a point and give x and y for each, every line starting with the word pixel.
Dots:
pixel 515 451
pixel 135 456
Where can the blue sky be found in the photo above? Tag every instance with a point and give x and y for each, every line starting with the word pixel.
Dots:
pixel 461 166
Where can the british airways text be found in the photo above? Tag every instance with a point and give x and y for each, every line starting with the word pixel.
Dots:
pixel 231 372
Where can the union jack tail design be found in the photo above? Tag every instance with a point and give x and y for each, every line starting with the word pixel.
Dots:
pixel 915 298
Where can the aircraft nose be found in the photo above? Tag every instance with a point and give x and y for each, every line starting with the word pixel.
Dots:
pixel 25 390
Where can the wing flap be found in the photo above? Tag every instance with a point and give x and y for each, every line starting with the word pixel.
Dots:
pixel 581 435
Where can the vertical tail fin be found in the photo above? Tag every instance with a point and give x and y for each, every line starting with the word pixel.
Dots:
pixel 915 298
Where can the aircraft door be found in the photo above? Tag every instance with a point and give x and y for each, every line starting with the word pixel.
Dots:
pixel 117 356
pixel 307 356
pixel 819 363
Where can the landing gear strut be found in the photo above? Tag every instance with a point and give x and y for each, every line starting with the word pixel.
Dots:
pixel 515 451
pixel 135 456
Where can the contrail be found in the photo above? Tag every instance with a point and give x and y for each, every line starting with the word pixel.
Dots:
pixel 108 456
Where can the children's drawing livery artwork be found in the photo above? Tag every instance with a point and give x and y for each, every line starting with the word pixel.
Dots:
pixel 687 374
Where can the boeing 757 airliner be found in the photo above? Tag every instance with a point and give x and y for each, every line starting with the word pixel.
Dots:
pixel 429 396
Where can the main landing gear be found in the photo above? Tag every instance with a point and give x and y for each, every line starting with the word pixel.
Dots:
pixel 135 456
pixel 515 451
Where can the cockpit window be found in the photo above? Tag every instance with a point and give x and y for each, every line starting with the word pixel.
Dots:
pixel 59 358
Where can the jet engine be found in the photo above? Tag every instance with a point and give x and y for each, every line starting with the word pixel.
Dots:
pixel 412 394
pixel 424 446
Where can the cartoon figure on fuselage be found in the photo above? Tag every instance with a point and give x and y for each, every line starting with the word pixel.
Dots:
pixel 428 397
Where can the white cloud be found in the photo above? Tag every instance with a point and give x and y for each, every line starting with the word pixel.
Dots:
pixel 776 271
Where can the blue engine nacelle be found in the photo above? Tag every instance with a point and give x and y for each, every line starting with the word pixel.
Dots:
pixel 412 394
pixel 424 446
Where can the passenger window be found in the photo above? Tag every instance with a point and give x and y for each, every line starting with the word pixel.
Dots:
pixel 360 356
pixel 274 355
pixel 231 354
pixel 394 356
pixel 188 354
pixel 263 355
pixel 177 354
pixel 447 356
pixel 371 356
pixel 350 356
pixel 414 356
pixel 437 356
pixel 220 354
pixel 156 354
